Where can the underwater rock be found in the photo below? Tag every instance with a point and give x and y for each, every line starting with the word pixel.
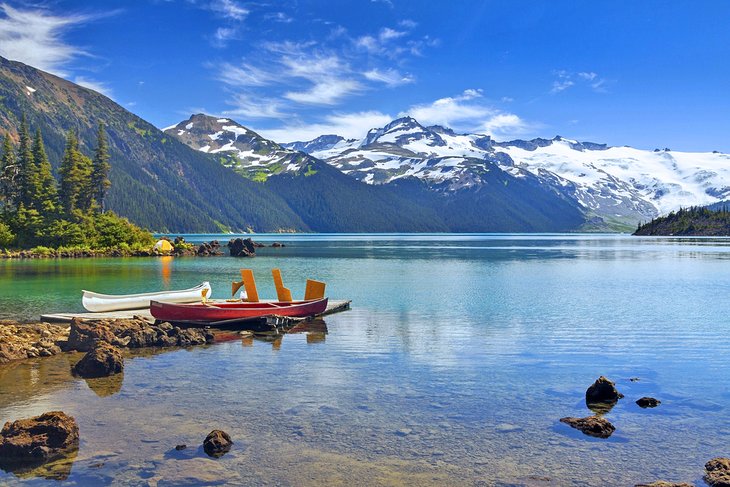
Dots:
pixel 217 443
pixel 662 483
pixel 101 361
pixel 602 391
pixel 37 440
pixel 591 426
pixel 180 447
pixel 648 402
pixel 717 472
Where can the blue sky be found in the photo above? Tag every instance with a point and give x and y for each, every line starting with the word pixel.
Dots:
pixel 642 73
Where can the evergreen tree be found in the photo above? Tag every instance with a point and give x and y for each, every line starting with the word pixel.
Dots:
pixel 45 199
pixel 100 169
pixel 75 172
pixel 27 173
pixel 8 174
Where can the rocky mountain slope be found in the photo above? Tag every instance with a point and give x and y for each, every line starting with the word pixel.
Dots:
pixel 482 197
pixel 615 187
pixel 157 181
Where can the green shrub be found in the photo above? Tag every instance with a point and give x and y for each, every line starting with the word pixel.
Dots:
pixel 6 236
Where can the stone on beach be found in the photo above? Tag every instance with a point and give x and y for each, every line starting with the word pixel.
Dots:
pixel 101 361
pixel 648 402
pixel 217 443
pixel 717 472
pixel 37 440
pixel 603 391
pixel 20 341
pixel 591 426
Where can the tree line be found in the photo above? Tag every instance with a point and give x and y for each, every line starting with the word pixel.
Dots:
pixel 37 209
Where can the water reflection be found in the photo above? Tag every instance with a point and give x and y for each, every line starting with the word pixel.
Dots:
pixel 58 469
pixel 106 386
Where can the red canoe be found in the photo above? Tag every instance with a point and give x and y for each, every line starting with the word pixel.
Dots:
pixel 211 312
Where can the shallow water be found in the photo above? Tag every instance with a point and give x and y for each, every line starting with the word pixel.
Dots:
pixel 453 367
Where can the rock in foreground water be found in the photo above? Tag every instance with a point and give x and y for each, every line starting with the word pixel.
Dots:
pixel 602 391
pixel 591 426
pixel 101 361
pixel 38 440
pixel 648 402
pixel 662 483
pixel 217 443
pixel 717 472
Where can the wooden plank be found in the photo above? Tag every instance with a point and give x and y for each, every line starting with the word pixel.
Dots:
pixel 333 306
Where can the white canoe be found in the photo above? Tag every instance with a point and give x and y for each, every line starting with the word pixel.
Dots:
pixel 98 303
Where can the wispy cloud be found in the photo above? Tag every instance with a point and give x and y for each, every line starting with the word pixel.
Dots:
pixel 247 106
pixel 389 76
pixel 243 75
pixel 36 37
pixel 229 9
pixel 566 79
pixel 349 125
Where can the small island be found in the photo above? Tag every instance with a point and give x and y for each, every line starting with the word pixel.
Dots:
pixel 700 221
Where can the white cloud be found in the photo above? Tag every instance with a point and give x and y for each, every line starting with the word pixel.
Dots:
pixel 566 79
pixel 92 84
pixel 390 77
pixel 349 125
pixel 228 9
pixel 247 106
pixel 328 74
pixel 326 91
pixel 35 37
pixel 244 75
pixel 505 125
pixel 458 112
pixel 222 35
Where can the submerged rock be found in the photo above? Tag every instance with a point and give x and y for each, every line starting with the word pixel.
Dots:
pixel 101 361
pixel 603 391
pixel 662 483
pixel 37 440
pixel 648 402
pixel 591 426
pixel 717 472
pixel 217 443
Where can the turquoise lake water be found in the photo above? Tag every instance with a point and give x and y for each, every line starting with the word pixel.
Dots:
pixel 453 367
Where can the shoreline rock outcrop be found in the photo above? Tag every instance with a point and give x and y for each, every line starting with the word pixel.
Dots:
pixel 663 483
pixel 20 341
pixel 242 247
pixel 591 426
pixel 217 443
pixel 37 440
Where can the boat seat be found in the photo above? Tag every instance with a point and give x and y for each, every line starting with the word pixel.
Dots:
pixel 235 286
pixel 249 283
pixel 314 290
pixel 282 294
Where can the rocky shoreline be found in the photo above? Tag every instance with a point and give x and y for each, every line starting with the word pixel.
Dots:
pixel 30 340
pixel 237 247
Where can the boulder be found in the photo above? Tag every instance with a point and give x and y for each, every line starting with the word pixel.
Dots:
pixel 602 391
pixel 217 443
pixel 648 402
pixel 84 334
pixel 101 361
pixel 278 244
pixel 591 426
pixel 717 472
pixel 239 247
pixel 38 440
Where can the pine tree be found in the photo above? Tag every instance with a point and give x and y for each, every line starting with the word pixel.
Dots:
pixel 27 173
pixel 74 172
pixel 100 169
pixel 8 174
pixel 46 198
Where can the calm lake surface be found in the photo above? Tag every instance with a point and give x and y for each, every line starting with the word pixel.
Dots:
pixel 460 354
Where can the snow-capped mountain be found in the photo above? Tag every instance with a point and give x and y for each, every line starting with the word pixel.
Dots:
pixel 238 147
pixel 616 186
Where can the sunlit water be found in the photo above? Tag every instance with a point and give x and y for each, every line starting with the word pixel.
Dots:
pixel 453 367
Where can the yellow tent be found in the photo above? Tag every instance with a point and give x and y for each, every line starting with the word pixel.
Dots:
pixel 164 246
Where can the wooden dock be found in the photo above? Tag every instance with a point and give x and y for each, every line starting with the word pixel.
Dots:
pixel 333 306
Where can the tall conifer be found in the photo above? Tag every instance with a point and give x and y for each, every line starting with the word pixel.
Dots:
pixel 27 173
pixel 100 169
pixel 46 198
pixel 75 172
pixel 8 173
